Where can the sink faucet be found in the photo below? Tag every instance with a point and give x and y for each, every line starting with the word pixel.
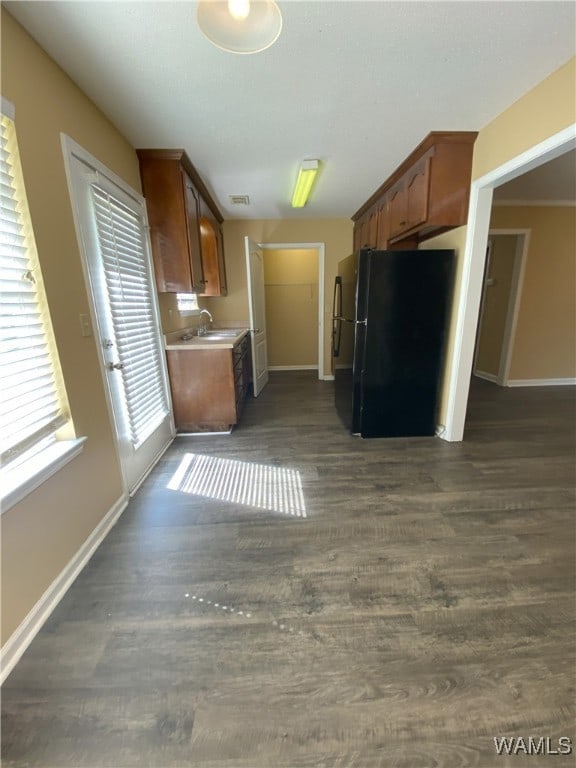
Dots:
pixel 203 326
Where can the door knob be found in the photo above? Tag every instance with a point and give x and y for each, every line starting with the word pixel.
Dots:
pixel 115 366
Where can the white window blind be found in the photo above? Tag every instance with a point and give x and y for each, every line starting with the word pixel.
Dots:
pixel 30 383
pixel 121 243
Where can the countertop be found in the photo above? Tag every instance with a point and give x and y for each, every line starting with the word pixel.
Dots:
pixel 216 338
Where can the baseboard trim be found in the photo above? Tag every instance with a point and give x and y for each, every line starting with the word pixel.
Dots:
pixel 540 382
pixel 293 368
pixel 328 377
pixel 23 635
pixel 486 376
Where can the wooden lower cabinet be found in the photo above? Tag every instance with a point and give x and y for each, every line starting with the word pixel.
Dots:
pixel 209 386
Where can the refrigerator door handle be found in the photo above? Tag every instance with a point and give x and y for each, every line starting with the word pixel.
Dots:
pixel 336 337
pixel 336 319
pixel 337 298
pixel 352 322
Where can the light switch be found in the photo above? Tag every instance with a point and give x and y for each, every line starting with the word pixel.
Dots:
pixel 85 325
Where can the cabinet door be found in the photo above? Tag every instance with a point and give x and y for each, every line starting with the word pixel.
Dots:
pixel 212 247
pixel 417 188
pixel 383 226
pixel 162 187
pixel 372 239
pixel 203 393
pixel 397 209
pixel 193 225
pixel 361 233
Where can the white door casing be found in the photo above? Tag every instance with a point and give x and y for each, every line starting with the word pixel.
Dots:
pixel 109 215
pixel 257 310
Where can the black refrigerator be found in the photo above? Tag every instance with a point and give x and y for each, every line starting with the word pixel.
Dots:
pixel 389 326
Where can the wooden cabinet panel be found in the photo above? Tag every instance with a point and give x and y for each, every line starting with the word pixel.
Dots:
pixel 209 386
pixel 417 191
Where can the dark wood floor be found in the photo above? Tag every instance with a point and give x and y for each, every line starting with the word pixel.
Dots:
pixel 391 603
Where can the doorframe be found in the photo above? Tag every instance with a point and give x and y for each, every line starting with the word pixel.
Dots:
pixel 513 308
pixel 474 258
pixel 320 248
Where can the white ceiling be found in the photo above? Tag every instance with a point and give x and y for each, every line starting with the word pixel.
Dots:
pixel 553 181
pixel 355 84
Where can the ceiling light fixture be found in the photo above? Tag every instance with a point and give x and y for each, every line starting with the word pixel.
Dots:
pixel 304 182
pixel 240 26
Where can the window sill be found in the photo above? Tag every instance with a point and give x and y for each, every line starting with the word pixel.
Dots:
pixel 29 475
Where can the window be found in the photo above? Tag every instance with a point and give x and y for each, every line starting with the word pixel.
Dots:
pixel 33 403
pixel 187 304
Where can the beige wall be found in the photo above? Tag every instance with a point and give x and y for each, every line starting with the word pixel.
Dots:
pixel 43 532
pixel 545 340
pixel 545 110
pixel 455 239
pixel 291 288
pixel 336 234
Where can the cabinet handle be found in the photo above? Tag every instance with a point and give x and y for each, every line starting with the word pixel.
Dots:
pixel 402 223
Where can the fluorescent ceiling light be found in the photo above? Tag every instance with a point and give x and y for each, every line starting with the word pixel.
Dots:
pixel 240 26
pixel 304 182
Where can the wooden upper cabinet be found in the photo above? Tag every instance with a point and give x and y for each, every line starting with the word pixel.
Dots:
pixel 397 209
pixel 181 214
pixel 417 193
pixel 427 194
pixel 361 233
pixel 371 230
pixel 212 248
pixel 407 201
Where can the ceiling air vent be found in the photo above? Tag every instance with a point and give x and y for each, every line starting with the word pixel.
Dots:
pixel 239 199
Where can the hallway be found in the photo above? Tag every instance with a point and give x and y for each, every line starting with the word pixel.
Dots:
pixel 290 596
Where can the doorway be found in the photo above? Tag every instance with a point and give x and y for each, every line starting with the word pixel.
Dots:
pixel 311 258
pixel 291 294
pixel 474 259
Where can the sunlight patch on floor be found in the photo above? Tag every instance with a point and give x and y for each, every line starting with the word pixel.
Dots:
pixel 241 482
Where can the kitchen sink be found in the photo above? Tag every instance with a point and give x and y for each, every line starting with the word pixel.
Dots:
pixel 212 335
pixel 215 335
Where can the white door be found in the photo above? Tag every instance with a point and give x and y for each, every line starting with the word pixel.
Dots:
pixel 256 301
pixel 112 227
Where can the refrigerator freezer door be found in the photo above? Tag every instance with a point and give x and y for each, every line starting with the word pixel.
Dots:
pixel 407 308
